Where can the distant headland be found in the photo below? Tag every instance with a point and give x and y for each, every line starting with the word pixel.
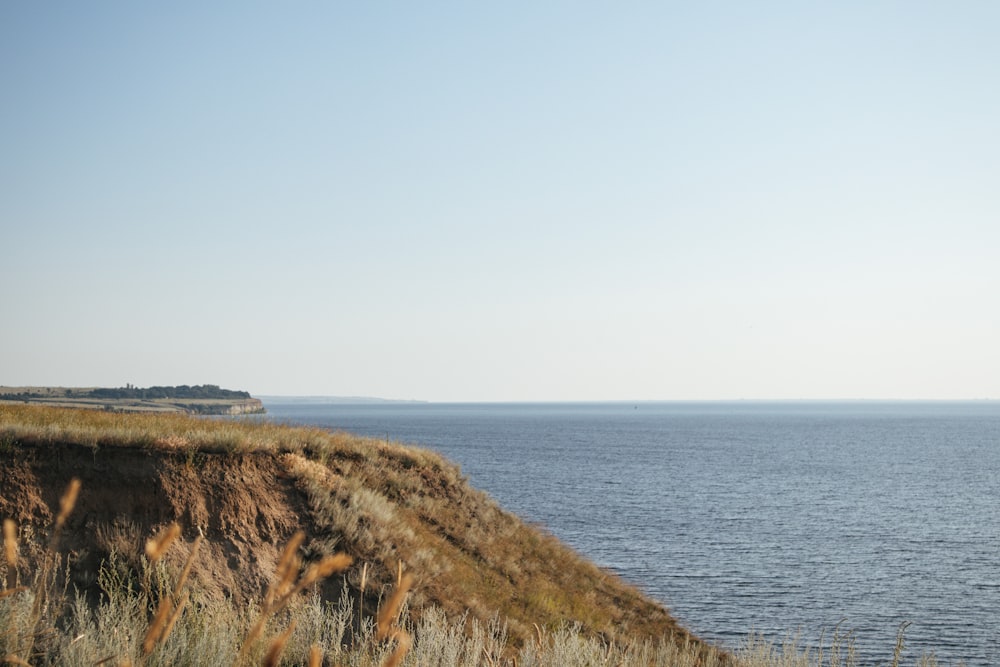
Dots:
pixel 205 399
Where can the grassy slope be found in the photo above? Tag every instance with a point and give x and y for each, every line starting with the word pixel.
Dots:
pixel 248 485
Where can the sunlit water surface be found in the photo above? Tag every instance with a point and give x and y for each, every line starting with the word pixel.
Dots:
pixel 773 517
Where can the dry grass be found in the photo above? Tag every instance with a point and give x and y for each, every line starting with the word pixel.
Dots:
pixel 40 425
pixel 311 633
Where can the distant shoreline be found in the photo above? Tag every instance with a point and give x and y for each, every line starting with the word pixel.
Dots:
pixel 186 401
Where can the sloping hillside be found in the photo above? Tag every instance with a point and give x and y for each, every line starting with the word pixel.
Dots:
pixel 248 486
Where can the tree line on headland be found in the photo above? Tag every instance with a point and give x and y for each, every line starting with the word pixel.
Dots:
pixel 180 391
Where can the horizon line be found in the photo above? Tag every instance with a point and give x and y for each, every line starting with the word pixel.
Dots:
pixel 340 397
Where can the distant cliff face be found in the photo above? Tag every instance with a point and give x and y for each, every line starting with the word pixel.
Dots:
pixel 250 406
pixel 246 406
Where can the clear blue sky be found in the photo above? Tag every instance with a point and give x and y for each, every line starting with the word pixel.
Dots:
pixel 503 201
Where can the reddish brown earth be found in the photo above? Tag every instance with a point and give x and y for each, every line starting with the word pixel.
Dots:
pixel 245 505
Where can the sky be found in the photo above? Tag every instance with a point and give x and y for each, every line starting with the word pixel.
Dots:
pixel 512 201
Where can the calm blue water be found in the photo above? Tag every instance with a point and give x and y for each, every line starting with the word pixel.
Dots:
pixel 774 517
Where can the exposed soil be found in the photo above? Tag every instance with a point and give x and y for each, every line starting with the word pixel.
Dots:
pixel 245 505
pixel 385 506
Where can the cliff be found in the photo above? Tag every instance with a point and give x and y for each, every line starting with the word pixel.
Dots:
pixel 247 487
pixel 245 406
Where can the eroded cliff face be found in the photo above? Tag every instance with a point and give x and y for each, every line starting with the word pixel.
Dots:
pixel 244 505
pixel 385 506
pixel 248 406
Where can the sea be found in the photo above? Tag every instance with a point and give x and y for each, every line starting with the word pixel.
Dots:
pixel 782 519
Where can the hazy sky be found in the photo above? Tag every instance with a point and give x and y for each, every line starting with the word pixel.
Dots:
pixel 503 201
